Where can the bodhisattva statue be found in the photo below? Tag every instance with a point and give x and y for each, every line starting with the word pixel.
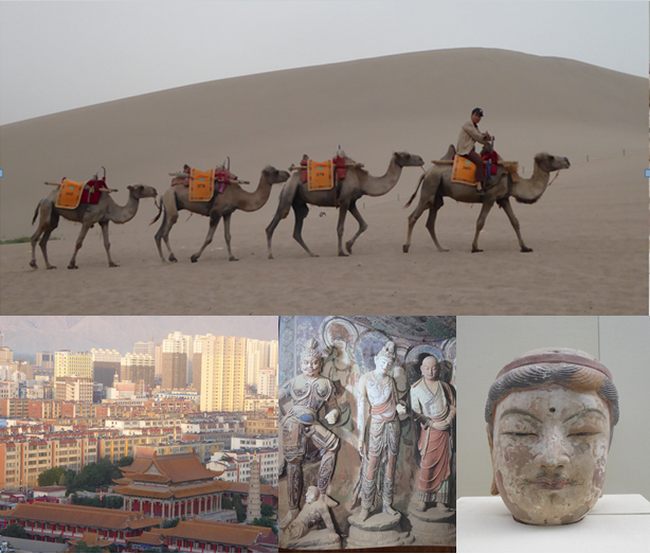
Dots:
pixel 378 406
pixel 300 426
pixel 550 417
pixel 434 407
pixel 315 511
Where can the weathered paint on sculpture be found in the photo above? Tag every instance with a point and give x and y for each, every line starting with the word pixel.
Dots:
pixel 434 407
pixel 550 415
pixel 300 426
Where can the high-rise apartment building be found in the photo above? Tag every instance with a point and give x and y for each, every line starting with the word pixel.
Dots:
pixel 139 368
pixel 45 360
pixel 73 364
pixel 6 356
pixel 106 363
pixel 267 384
pixel 145 348
pixel 175 360
pixel 259 354
pixel 197 359
pixel 223 374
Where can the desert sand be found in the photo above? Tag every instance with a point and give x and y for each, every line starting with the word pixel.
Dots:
pixel 589 231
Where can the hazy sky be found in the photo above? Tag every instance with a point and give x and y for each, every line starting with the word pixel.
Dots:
pixel 56 55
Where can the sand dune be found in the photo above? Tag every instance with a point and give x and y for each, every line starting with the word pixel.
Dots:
pixel 588 232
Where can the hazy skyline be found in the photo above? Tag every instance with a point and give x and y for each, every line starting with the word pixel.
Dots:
pixel 57 56
pixel 31 334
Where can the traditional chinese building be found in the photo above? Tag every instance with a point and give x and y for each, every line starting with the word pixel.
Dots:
pixel 200 535
pixel 169 486
pixel 60 522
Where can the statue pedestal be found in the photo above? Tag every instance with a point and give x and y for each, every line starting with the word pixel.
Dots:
pixel 378 530
pixel 434 527
pixel 617 523
pixel 320 539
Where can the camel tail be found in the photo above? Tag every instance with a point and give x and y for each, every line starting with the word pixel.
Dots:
pixel 160 209
pixel 416 191
pixel 36 213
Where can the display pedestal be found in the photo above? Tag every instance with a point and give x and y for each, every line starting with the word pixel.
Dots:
pixel 436 526
pixel 378 530
pixel 617 523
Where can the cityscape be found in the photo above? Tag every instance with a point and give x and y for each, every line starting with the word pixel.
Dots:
pixel 179 432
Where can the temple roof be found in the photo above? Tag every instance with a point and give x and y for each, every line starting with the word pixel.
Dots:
pixel 242 488
pixel 171 468
pixel 87 516
pixel 217 532
pixel 181 491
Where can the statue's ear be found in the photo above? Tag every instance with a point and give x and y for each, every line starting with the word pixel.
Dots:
pixel 493 489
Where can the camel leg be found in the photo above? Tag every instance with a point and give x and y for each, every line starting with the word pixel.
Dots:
pixel 505 204
pixel 431 225
pixel 214 221
pixel 34 241
pixel 78 245
pixel 280 214
pixel 340 227
pixel 362 226
pixel 300 211
pixel 170 217
pixel 480 223
pixel 53 219
pixel 226 234
pixel 107 244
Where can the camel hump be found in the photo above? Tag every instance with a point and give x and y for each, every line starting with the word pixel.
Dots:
pixel 451 152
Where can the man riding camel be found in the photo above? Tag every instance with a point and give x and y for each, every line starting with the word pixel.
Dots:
pixel 470 135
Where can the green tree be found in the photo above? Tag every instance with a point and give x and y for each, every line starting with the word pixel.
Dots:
pixel 169 523
pixel 267 510
pixel 82 546
pixel 265 522
pixel 239 508
pixel 226 503
pixel 14 530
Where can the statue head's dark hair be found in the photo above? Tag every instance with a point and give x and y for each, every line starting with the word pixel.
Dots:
pixel 570 369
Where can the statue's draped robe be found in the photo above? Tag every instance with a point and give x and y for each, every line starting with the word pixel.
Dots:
pixel 434 445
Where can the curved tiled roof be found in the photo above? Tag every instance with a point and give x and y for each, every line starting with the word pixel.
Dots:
pixel 134 489
pixel 217 532
pixel 87 516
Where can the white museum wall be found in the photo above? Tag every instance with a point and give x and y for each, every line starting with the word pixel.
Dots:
pixel 485 344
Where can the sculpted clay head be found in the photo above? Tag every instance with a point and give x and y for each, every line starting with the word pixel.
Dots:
pixel 311 359
pixel 550 415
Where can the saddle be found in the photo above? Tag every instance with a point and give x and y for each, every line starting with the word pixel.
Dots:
pixel 463 170
pixel 72 194
pixel 202 183
pixel 321 176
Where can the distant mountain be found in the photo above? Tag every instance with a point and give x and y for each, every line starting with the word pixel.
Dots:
pixel 31 334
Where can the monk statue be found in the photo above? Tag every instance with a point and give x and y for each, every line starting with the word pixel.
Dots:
pixel 434 407
pixel 550 418
pixel 301 427
pixel 314 514
pixel 378 407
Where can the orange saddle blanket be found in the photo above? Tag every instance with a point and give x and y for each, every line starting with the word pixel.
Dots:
pixel 320 175
pixel 463 171
pixel 201 185
pixel 69 194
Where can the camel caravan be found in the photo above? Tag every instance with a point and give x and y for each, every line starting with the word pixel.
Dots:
pixel 339 182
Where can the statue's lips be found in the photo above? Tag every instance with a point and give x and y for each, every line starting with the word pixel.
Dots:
pixel 552 484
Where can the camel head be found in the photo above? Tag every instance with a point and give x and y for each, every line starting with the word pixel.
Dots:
pixel 529 191
pixel 404 159
pixel 142 191
pixel 274 176
pixel 547 162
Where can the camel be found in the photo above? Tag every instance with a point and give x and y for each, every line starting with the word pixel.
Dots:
pixel 105 211
pixel 222 205
pixel 438 184
pixel 357 183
